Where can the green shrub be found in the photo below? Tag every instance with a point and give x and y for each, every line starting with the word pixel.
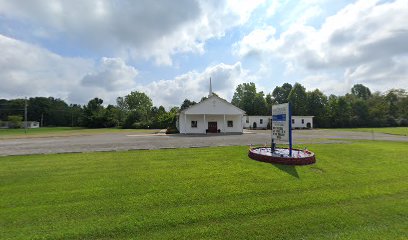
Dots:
pixel 141 125
pixel 171 130
pixel 15 121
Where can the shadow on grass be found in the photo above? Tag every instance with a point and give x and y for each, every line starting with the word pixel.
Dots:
pixel 289 169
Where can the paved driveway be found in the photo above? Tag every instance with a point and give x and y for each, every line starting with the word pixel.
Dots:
pixel 123 141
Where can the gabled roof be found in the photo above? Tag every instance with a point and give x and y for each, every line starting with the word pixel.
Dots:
pixel 209 99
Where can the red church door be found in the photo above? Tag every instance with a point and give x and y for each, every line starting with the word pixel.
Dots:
pixel 212 127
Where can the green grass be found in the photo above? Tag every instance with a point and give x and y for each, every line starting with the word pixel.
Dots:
pixel 66 131
pixel 389 130
pixel 354 191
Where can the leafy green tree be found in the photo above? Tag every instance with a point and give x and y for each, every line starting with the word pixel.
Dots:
pixel 316 106
pixel 94 114
pixel 161 118
pixel 39 110
pixel 132 117
pixel 298 99
pixel 378 110
pixel 339 111
pixel 246 98
pixel 359 113
pixel 111 116
pixel 15 121
pixel 269 102
pixel 259 106
pixel 50 111
pixel 281 94
pixel 361 91
pixel 11 107
pixel 122 110
pixel 392 99
pixel 76 112
pixel 136 109
pixel 186 104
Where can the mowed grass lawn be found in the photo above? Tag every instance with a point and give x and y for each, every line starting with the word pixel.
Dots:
pixel 65 131
pixel 389 130
pixel 355 191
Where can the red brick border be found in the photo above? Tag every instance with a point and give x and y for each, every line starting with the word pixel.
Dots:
pixel 282 160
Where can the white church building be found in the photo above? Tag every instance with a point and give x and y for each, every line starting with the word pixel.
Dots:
pixel 212 115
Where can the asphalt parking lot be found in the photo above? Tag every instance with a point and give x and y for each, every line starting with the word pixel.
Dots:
pixel 123 141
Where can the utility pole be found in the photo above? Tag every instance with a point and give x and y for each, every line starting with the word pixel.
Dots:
pixel 42 119
pixel 25 116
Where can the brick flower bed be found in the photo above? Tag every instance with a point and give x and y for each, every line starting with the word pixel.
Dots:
pixel 283 160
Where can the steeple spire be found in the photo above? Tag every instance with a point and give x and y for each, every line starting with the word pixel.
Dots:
pixel 210 92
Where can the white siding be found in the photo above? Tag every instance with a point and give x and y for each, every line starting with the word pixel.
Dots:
pixel 202 123
pixel 249 121
pixel 297 121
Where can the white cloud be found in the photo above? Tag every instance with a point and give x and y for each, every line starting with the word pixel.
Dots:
pixel 256 42
pixel 272 8
pixel 366 40
pixel 326 84
pixel 136 29
pixel 113 74
pixel 195 85
pixel 28 70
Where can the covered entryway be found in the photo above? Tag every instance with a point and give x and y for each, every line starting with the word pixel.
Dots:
pixel 212 127
pixel 308 125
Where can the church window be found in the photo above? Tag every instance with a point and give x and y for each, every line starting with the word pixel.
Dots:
pixel 230 124
pixel 193 124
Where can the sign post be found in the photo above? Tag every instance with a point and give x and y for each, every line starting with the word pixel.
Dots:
pixel 281 125
pixel 290 130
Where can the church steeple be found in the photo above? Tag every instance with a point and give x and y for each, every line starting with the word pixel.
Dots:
pixel 210 92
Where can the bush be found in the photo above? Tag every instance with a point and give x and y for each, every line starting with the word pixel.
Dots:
pixel 132 118
pixel 141 125
pixel 403 123
pixel 15 121
pixel 171 130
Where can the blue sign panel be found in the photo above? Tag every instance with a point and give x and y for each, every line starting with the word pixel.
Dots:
pixel 279 117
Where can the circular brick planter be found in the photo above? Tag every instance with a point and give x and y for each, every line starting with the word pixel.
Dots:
pixel 299 157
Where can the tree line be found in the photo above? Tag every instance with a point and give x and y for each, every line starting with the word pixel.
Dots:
pixel 358 108
pixel 134 110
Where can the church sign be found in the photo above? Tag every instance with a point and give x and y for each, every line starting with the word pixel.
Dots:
pixel 280 122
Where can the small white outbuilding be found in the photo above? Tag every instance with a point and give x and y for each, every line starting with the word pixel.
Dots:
pixel 212 115
pixel 261 122
pixel 256 122
pixel 302 122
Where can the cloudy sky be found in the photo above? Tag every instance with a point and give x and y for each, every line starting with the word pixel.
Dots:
pixel 77 50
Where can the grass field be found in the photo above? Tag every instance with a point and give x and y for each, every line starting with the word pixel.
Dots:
pixel 354 191
pixel 389 130
pixel 65 131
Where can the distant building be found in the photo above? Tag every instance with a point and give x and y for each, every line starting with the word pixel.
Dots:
pixel 256 122
pixel 30 124
pixel 302 122
pixel 261 122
